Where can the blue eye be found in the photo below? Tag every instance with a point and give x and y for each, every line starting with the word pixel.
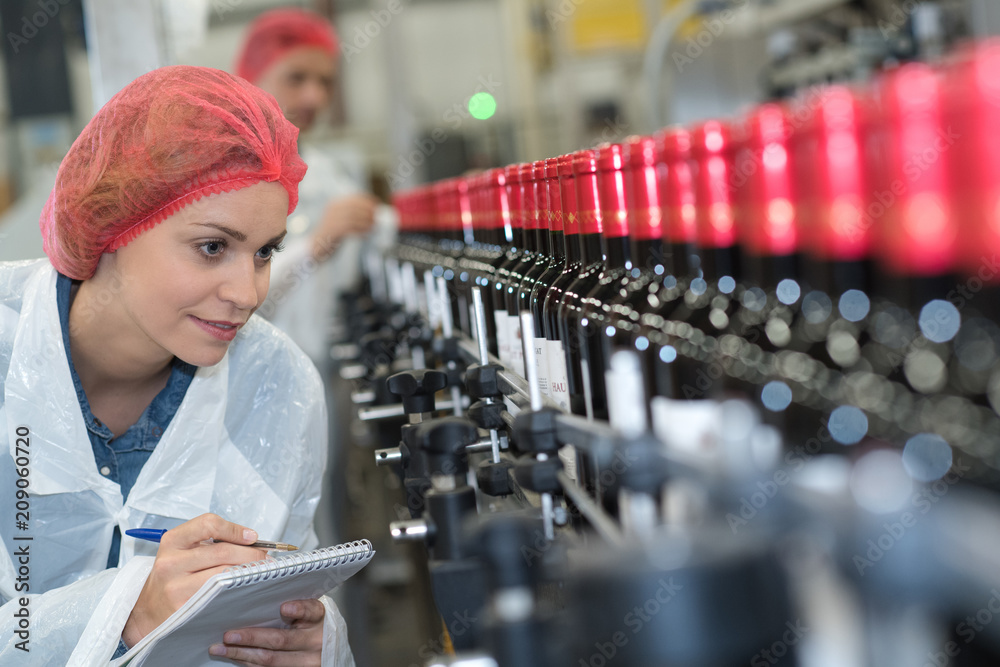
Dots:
pixel 267 252
pixel 212 248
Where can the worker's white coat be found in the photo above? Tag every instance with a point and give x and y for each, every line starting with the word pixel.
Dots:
pixel 248 442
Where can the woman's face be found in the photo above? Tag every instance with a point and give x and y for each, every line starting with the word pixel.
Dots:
pixel 187 285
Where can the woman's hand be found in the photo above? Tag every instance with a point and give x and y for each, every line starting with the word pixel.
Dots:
pixel 354 214
pixel 300 645
pixel 185 560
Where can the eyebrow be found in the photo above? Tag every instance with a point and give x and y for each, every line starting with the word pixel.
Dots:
pixel 238 235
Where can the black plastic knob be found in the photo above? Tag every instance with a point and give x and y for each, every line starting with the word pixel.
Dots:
pixel 378 349
pixel 535 431
pixel 417 388
pixel 539 476
pixel 444 442
pixel 487 415
pixel 502 541
pixel 481 381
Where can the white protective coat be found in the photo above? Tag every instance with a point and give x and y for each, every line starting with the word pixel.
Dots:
pixel 248 442
pixel 303 300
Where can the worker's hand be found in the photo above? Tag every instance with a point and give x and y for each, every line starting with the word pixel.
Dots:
pixel 351 215
pixel 185 560
pixel 300 644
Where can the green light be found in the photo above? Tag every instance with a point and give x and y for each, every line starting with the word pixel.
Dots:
pixel 482 106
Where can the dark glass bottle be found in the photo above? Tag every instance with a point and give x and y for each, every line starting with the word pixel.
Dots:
pixel 509 188
pixel 571 306
pixel 650 261
pixel 916 239
pixel 973 109
pixel 483 252
pixel 522 197
pixel 552 213
pixel 834 184
pixel 539 202
pixel 692 312
pixel 594 320
pixel 571 268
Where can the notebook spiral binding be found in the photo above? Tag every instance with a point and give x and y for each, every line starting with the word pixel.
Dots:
pixel 286 566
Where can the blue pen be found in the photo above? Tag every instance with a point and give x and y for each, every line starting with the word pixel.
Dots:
pixel 154 535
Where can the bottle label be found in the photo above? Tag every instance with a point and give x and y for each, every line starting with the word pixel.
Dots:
pixel 567 454
pixel 542 362
pixel 558 375
pixel 503 347
pixel 516 347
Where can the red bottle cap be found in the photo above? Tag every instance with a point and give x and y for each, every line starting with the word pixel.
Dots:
pixel 588 199
pixel 444 210
pixel 464 208
pixel 676 186
pixel 916 230
pixel 498 205
pixel 479 201
pixel 832 177
pixel 711 154
pixel 553 196
pixel 762 177
pixel 645 214
pixel 567 192
pixel 515 196
pixel 611 188
pixel 972 124
pixel 529 203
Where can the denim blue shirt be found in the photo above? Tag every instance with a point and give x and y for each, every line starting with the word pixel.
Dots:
pixel 120 459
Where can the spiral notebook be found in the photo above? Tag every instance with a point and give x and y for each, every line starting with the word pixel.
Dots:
pixel 244 596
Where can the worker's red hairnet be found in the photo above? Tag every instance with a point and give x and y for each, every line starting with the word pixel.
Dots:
pixel 275 33
pixel 167 139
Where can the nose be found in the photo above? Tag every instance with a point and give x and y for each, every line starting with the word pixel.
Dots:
pixel 243 285
pixel 314 94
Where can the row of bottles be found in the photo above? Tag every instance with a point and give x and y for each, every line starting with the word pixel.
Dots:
pixel 835 251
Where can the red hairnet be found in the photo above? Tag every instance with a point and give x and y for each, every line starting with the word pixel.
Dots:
pixel 167 139
pixel 275 33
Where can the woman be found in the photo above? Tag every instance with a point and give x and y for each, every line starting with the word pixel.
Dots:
pixel 138 390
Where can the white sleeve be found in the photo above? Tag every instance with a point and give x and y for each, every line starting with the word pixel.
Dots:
pixel 336 649
pixel 77 624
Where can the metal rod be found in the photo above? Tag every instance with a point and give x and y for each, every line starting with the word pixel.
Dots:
pixel 410 298
pixel 388 456
pixel 396 410
pixel 431 297
pixel 480 311
pixel 602 523
pixel 530 363
pixel 447 325
pixel 409 530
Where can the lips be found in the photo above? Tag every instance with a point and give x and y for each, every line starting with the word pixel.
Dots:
pixel 220 329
